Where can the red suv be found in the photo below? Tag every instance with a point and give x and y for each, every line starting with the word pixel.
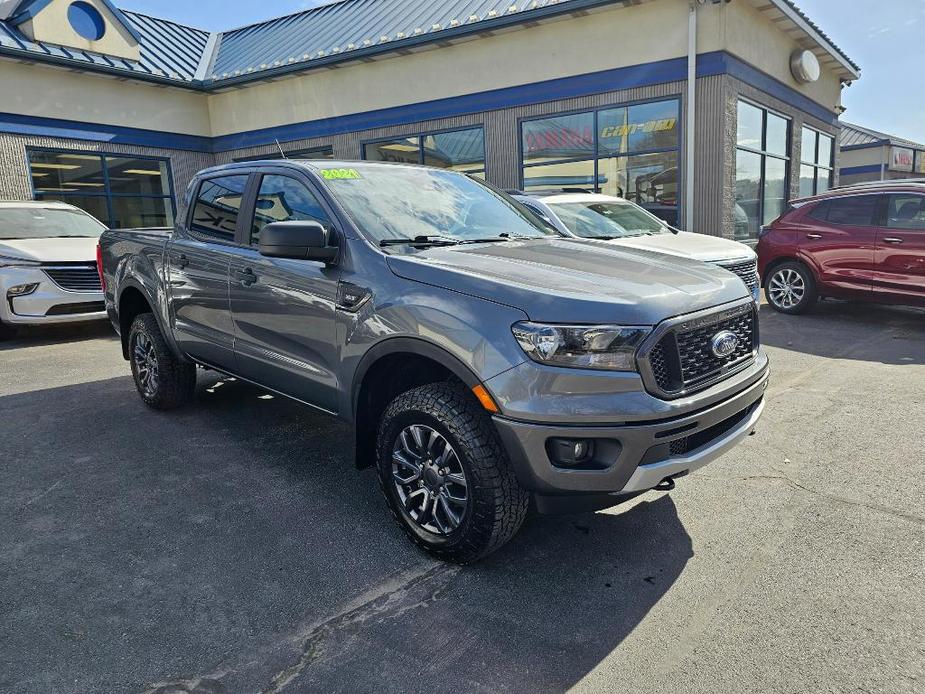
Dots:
pixel 859 242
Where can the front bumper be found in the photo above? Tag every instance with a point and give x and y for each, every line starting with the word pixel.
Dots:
pixel 636 456
pixel 48 304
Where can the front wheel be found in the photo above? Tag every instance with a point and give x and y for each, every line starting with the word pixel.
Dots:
pixel 791 288
pixel 445 474
pixel 163 381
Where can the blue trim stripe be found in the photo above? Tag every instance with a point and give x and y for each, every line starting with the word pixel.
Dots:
pixel 97 132
pixel 664 71
pixel 867 168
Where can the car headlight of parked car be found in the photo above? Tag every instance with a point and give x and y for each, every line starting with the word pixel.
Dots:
pixel 611 347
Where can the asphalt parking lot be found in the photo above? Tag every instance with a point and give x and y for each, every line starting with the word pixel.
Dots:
pixel 232 547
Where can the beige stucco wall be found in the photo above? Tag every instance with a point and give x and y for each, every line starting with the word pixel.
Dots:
pixel 747 33
pixel 38 90
pixel 51 25
pixel 616 37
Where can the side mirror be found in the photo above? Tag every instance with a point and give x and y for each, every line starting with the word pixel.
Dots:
pixel 299 240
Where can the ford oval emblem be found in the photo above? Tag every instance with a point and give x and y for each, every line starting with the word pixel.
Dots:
pixel 724 343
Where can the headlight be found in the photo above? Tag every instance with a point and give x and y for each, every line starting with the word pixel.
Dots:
pixel 21 289
pixel 611 347
pixel 7 261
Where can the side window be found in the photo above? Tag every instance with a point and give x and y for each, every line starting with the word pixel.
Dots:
pixel 906 212
pixel 284 199
pixel 857 210
pixel 217 205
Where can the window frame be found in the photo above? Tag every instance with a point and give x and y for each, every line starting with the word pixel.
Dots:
pixel 107 195
pixel 420 135
pixel 595 155
pixel 764 154
pixel 246 203
pixel 257 181
pixel 814 163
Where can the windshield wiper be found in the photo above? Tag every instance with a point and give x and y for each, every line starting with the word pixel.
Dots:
pixel 504 236
pixel 429 240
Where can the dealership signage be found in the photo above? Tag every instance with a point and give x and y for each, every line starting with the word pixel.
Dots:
pixel 581 140
pixel 901 158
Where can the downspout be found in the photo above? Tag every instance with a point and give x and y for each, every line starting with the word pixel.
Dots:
pixel 691 117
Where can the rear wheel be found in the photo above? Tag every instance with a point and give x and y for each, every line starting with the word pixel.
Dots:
pixel 791 288
pixel 445 474
pixel 163 381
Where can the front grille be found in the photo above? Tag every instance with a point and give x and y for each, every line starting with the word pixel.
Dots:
pixel 747 271
pixel 79 278
pixel 683 361
pixel 73 309
pixel 685 445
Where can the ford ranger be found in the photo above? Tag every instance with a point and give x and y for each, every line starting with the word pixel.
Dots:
pixel 482 361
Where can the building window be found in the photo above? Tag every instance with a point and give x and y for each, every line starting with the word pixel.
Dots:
pixel 306 153
pixel 816 163
pixel 121 191
pixel 627 151
pixel 460 150
pixel 762 161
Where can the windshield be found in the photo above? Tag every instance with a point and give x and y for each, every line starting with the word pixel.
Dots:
pixel 47 223
pixel 392 202
pixel 594 220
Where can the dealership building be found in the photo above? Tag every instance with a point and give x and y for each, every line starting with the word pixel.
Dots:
pixel 870 155
pixel 709 113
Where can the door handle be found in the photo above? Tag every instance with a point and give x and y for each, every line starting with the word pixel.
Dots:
pixel 246 277
pixel 892 239
pixel 814 236
pixel 182 261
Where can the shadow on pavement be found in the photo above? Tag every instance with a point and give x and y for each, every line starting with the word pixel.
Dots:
pixel 232 546
pixel 34 336
pixel 878 333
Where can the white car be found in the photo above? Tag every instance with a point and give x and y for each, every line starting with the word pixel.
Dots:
pixel 603 217
pixel 48 268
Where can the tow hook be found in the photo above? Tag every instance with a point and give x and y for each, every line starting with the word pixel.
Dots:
pixel 666 485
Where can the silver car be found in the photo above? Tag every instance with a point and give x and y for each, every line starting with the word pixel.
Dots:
pixel 48 271
pixel 621 222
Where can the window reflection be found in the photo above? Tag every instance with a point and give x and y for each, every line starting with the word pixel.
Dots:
pixel 460 150
pixel 559 152
pixel 762 161
pixel 215 213
pixel 120 191
pixel 284 199
pixel 817 165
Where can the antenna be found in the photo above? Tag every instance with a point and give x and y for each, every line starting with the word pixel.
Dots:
pixel 280 147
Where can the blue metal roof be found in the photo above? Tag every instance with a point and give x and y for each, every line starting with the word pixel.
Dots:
pixel 332 33
pixel 169 51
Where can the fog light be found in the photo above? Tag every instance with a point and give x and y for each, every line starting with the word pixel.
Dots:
pixel 21 290
pixel 570 452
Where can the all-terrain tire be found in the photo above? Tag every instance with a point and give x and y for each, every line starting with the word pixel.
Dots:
pixel 174 382
pixel 496 504
pixel 791 288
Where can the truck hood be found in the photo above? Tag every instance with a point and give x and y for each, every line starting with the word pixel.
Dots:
pixel 62 250
pixel 685 244
pixel 562 280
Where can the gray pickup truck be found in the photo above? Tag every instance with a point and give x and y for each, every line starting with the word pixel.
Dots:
pixel 482 361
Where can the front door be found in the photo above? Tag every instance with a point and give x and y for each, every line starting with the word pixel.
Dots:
pixel 839 237
pixel 900 255
pixel 283 310
pixel 198 260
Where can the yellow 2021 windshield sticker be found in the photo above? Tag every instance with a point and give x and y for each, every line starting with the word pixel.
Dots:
pixel 339 174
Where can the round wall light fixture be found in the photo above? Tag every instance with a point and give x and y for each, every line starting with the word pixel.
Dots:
pixel 804 66
pixel 86 20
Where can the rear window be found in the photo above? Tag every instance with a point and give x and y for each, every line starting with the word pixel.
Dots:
pixel 855 210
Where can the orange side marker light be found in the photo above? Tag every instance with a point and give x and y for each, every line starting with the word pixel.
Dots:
pixel 485 399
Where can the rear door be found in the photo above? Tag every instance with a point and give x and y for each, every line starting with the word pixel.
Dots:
pixel 198 260
pixel 900 254
pixel 838 238
pixel 283 309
